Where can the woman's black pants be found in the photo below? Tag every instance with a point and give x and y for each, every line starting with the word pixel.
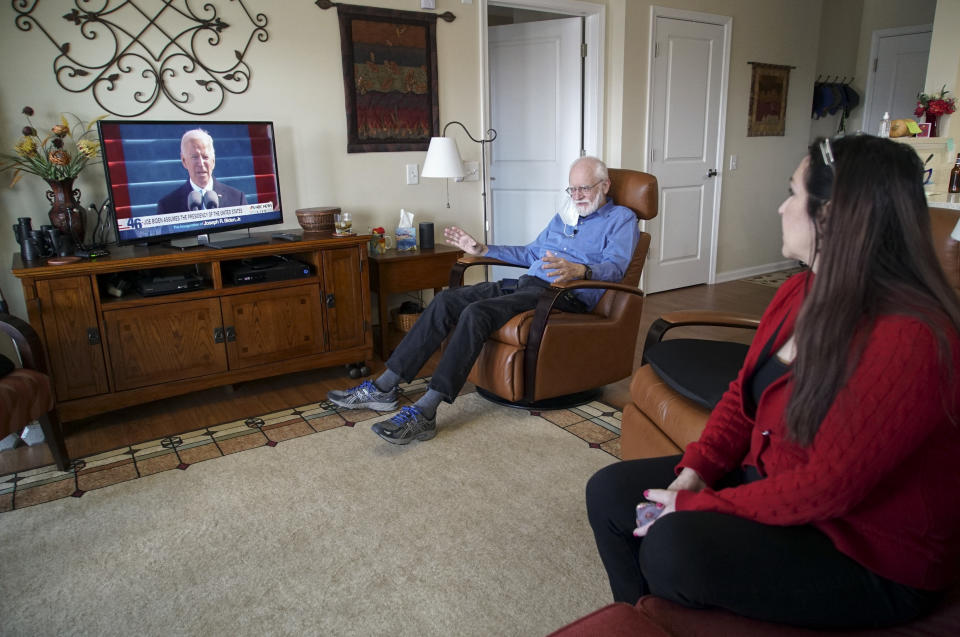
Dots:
pixel 786 574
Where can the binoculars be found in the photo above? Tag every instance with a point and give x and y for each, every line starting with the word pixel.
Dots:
pixel 44 243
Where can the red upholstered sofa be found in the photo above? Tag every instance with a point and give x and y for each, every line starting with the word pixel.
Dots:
pixel 655 617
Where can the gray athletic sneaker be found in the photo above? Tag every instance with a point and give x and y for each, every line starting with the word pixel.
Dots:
pixel 408 425
pixel 364 396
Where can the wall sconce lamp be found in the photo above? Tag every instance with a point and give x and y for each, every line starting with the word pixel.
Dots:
pixel 443 161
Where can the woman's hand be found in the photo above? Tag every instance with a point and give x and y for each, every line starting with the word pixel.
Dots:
pixel 666 501
pixel 688 480
pixel 460 239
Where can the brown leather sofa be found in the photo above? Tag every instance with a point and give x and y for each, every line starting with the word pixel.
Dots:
pixel 660 421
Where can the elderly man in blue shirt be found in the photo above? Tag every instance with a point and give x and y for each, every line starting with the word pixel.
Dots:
pixel 592 239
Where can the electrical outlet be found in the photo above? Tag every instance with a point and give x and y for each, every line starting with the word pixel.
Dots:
pixel 413 174
pixel 733 162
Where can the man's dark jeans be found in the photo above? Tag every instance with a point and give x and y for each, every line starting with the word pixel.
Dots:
pixel 472 313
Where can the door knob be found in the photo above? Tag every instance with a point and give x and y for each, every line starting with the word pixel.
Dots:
pixel 712 172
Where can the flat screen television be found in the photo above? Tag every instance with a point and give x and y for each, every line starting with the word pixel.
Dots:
pixel 154 189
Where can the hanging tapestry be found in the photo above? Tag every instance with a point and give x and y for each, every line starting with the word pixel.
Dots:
pixel 768 100
pixel 389 78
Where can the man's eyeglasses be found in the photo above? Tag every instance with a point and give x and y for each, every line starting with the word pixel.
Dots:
pixel 582 190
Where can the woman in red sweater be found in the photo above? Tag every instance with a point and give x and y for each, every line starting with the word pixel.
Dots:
pixel 822 490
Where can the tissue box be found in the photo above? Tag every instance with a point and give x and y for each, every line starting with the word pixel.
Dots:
pixel 406 239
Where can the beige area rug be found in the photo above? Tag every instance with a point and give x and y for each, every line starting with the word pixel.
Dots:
pixel 480 531
pixel 775 279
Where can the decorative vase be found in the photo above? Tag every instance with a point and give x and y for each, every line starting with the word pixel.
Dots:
pixel 933 120
pixel 65 212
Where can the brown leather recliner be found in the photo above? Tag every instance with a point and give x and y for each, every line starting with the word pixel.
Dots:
pixel 26 394
pixel 660 421
pixel 545 354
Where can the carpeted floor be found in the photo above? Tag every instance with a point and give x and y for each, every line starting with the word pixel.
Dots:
pixel 595 423
pixel 307 523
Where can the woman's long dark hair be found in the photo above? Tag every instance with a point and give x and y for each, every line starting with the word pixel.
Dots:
pixel 875 256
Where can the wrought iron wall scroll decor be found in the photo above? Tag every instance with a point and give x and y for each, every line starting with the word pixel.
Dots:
pixel 133 51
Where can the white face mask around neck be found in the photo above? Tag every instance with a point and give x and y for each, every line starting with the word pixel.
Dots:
pixel 568 212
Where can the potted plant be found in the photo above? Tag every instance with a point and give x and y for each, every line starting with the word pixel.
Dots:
pixel 57 157
pixel 933 106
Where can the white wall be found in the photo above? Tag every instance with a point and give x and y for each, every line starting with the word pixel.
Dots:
pixel 944 66
pixel 772 31
pixel 297 81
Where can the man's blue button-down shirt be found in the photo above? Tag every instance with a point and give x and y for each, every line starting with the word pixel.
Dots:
pixel 604 240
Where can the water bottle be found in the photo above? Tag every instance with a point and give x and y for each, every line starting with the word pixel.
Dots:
pixel 884 126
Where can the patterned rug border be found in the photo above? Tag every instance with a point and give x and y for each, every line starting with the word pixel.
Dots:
pixel 596 423
pixel 775 279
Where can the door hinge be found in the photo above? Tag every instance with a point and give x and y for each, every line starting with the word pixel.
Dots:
pixel 583 49
pixel 366 325
pixel 93 336
pixel 653 154
pixel 876 61
pixel 656 49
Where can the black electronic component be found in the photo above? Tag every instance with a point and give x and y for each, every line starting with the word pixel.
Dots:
pixel 265 269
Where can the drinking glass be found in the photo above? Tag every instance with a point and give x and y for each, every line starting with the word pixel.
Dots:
pixel 342 221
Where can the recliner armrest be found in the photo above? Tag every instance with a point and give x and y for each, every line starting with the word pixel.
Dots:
pixel 466 261
pixel 27 341
pixel 683 318
pixel 584 284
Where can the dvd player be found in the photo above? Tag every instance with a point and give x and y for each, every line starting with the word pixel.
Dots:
pixel 266 269
pixel 157 285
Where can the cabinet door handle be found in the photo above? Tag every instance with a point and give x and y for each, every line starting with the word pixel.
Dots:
pixel 231 334
pixel 218 335
pixel 93 336
pixel 331 301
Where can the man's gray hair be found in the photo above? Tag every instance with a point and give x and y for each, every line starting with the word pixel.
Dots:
pixel 599 168
pixel 202 135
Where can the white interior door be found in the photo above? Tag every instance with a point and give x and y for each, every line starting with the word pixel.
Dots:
pixel 535 107
pixel 684 131
pixel 899 72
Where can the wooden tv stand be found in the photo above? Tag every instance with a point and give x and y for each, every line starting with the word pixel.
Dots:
pixel 108 352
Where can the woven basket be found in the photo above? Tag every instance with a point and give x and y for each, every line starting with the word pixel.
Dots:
pixel 404 322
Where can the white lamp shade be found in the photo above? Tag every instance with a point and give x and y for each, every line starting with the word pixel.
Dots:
pixel 443 159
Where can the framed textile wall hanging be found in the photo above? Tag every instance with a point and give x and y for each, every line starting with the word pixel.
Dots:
pixel 389 78
pixel 768 100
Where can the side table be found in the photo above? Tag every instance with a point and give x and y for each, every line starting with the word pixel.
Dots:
pixel 394 272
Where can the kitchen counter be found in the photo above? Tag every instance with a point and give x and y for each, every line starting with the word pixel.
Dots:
pixel 944 200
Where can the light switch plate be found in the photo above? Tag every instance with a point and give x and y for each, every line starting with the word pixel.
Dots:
pixel 428 4
pixel 472 168
pixel 413 174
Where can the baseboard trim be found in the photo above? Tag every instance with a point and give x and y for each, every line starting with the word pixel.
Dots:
pixel 743 273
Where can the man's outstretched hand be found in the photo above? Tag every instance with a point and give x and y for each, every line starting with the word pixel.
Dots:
pixel 460 239
pixel 561 270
